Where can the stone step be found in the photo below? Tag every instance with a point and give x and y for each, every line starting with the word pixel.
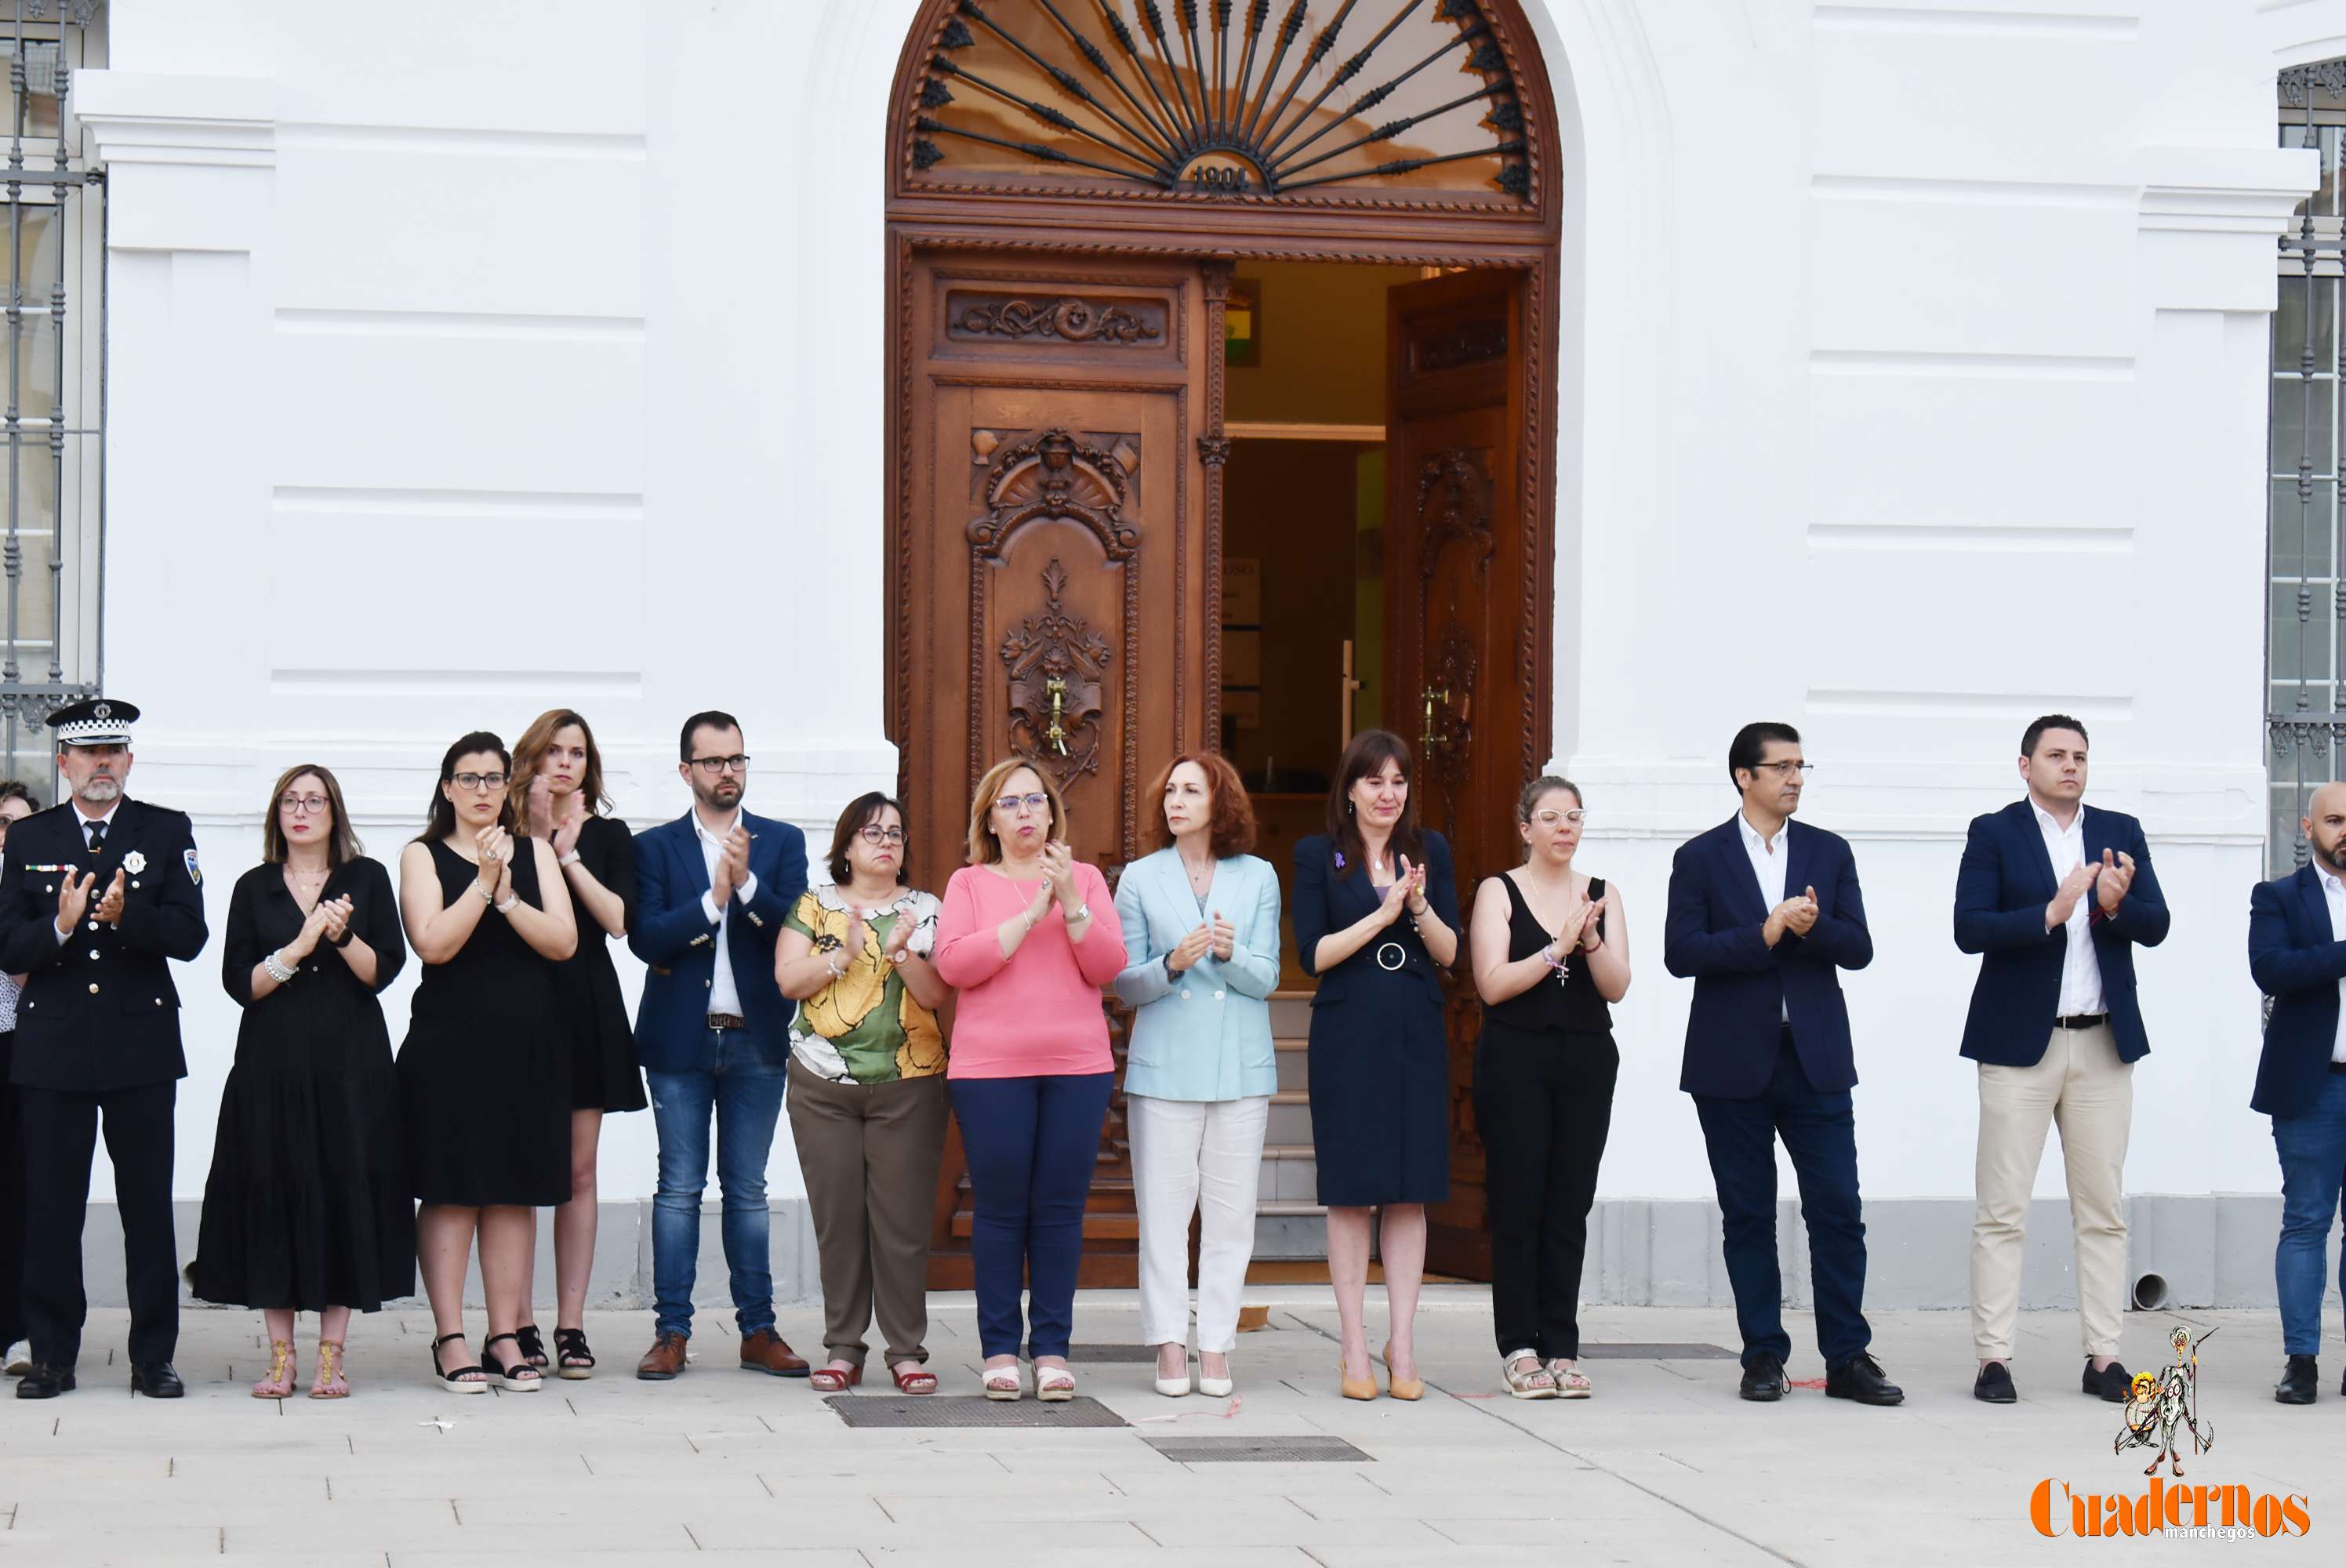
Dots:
pixel 1291 1014
pixel 1290 1173
pixel 1291 1118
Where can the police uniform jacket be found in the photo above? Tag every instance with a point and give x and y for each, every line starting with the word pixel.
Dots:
pixel 99 1010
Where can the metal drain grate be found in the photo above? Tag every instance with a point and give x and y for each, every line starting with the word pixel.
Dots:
pixel 1079 1354
pixel 1258 1450
pixel 968 1410
pixel 1632 1351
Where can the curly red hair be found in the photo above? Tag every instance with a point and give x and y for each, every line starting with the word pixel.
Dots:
pixel 1232 832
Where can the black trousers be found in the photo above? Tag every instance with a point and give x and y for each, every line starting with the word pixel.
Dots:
pixel 61 1127
pixel 1543 1105
pixel 11 1204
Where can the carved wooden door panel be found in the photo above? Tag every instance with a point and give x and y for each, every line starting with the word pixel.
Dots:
pixel 1051 580
pixel 1458 611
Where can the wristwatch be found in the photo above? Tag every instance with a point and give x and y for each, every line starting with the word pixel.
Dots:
pixel 1082 911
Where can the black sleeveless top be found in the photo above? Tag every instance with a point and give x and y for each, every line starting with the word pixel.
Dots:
pixel 1575 1004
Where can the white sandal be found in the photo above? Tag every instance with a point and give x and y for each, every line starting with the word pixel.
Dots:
pixel 1004 1382
pixel 1571 1382
pixel 1537 1383
pixel 1053 1384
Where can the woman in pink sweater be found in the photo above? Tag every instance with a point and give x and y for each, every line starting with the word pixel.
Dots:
pixel 1028 935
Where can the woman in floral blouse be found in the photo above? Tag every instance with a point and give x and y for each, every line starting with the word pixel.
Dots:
pixel 867 1092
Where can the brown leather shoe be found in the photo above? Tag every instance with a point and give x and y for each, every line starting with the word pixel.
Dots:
pixel 767 1352
pixel 664 1360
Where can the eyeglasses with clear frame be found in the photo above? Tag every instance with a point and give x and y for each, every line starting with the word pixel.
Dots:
pixel 873 834
pixel 1551 817
pixel 479 781
pixel 715 767
pixel 297 805
pixel 1010 805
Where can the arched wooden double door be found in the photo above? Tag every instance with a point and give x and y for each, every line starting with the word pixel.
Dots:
pixel 1058 431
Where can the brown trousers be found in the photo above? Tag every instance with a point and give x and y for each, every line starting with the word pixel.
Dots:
pixel 869 1154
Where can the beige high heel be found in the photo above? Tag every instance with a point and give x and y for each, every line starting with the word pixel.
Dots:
pixel 1401 1388
pixel 1355 1388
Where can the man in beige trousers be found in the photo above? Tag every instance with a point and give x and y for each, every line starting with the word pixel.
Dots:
pixel 2054 895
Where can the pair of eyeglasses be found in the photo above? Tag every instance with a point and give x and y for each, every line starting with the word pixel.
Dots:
pixel 715 766
pixel 480 780
pixel 297 805
pixel 1551 817
pixel 1784 769
pixel 878 835
pixel 1010 805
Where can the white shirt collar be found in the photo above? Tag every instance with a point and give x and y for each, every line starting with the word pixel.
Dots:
pixel 2331 884
pixel 1751 834
pixel 89 822
pixel 2051 824
pixel 700 829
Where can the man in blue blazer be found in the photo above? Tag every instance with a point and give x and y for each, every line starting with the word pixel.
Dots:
pixel 2055 894
pixel 2297 950
pixel 1764 913
pixel 713 1031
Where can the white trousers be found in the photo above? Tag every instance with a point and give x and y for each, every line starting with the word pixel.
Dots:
pixel 1189 1156
pixel 2081 1084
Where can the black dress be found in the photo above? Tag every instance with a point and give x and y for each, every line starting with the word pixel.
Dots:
pixel 604 1076
pixel 484 1039
pixel 1380 1056
pixel 1544 1070
pixel 306 1206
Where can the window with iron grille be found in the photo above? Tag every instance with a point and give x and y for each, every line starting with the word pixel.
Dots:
pixel 50 428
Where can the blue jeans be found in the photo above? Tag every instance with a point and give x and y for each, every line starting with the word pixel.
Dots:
pixel 1033 1145
pixel 1819 1133
pixel 2312 1147
pixel 746 1092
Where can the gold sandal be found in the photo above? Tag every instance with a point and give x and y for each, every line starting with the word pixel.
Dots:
pixel 278 1383
pixel 330 1383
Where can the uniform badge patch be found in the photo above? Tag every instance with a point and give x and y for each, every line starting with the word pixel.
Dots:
pixel 134 862
pixel 195 872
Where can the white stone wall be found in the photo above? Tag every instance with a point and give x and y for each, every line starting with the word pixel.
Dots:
pixel 469 360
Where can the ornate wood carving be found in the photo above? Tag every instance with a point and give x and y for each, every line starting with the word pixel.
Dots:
pixel 1056 475
pixel 1066 320
pixel 1213 453
pixel 1463 343
pixel 1058 677
pixel 1454 503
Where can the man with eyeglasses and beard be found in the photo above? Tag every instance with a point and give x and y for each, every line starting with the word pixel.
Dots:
pixel 2296 952
pixel 97 895
pixel 713 1033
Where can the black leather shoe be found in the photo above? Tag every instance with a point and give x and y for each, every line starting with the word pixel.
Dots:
pixel 1860 1377
pixel 46 1381
pixel 1763 1380
pixel 2111 1384
pixel 156 1379
pixel 2300 1385
pixel 1995 1385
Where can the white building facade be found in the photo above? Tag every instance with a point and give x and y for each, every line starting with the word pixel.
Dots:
pixel 465 361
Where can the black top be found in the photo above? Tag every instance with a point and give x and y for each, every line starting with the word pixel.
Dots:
pixel 323 998
pixel 99 1010
pixel 1576 1004
pixel 601 1039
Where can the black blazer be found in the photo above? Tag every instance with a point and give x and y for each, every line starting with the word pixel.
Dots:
pixel 99 1010
pixel 1743 987
pixel 2001 890
pixel 1325 903
pixel 2298 962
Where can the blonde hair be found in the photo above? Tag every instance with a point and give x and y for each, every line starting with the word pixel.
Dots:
pixel 985 847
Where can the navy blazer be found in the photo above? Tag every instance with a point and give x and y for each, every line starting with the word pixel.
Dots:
pixel 2298 962
pixel 674 936
pixel 1743 987
pixel 2001 890
pixel 1326 903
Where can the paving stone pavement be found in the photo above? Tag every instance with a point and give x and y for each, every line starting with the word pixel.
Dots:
pixel 1664 1466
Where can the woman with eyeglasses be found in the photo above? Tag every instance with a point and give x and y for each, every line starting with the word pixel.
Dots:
pixel 1551 951
pixel 490 917
pixel 1028 936
pixel 557 785
pixel 1376 919
pixel 306 1208
pixel 867 1090
pixel 16 803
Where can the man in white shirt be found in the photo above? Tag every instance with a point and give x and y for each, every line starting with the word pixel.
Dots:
pixel 2296 952
pixel 2056 895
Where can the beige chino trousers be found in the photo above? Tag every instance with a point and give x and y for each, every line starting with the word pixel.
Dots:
pixel 2080 1085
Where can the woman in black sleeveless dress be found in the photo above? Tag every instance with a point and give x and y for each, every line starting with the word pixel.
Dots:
pixel 489 918
pixel 306 1208
pixel 558 779
pixel 1550 949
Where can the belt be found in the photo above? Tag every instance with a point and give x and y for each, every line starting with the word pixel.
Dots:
pixel 2337 1066
pixel 2081 1021
pixel 728 1021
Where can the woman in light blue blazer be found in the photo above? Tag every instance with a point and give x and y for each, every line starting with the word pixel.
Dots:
pixel 1201 921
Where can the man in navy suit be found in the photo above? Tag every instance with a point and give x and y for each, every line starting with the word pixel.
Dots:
pixel 2056 894
pixel 1764 912
pixel 2297 950
pixel 713 1031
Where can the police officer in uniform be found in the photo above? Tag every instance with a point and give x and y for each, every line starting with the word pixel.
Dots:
pixel 96 895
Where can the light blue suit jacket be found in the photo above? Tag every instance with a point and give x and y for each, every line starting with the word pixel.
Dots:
pixel 1203 1034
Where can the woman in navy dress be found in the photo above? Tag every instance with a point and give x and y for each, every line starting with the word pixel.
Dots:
pixel 1376 919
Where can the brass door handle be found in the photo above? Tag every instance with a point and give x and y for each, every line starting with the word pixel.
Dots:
pixel 1057 686
pixel 1434 695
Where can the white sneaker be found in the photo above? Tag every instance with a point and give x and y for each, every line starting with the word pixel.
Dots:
pixel 19 1359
